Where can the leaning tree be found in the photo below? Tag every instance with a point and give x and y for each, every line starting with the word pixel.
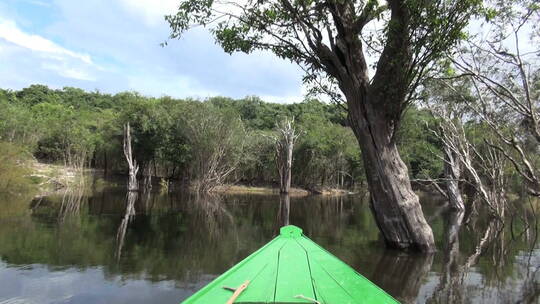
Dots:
pixel 333 41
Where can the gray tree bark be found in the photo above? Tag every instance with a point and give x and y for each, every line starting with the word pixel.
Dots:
pixel 395 206
pixel 452 173
pixel 132 163
pixel 284 153
pixel 375 107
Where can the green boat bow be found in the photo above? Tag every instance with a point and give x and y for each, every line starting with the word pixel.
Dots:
pixel 291 269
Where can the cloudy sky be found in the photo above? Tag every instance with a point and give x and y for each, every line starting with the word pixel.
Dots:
pixel 114 45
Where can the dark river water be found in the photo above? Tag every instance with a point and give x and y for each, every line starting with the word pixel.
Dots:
pixel 92 246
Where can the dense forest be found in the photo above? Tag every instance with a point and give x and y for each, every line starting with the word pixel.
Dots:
pixel 180 140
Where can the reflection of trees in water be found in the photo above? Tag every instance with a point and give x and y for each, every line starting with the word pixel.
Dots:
pixel 211 237
pixel 131 198
pixel 177 237
pixel 449 289
pixel 402 274
pixel 283 215
pixel 453 279
pixel 210 211
pixel 72 200
pixel 189 239
pixel 530 291
pixel 498 249
pixel 325 216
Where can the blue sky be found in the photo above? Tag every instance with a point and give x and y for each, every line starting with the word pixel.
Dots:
pixel 114 45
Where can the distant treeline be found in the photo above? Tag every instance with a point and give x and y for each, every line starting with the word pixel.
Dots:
pixel 183 139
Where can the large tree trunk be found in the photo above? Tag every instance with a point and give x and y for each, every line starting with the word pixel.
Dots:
pixel 375 107
pixel 396 207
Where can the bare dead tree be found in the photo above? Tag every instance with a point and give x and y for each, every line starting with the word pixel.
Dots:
pixel 453 150
pixel 132 194
pixel 452 172
pixel 132 163
pixel 504 70
pixel 285 140
pixel 485 170
pixel 216 171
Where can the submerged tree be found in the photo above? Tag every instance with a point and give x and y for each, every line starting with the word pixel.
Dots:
pixel 504 72
pixel 329 39
pixel 132 163
pixel 285 140
pixel 468 157
pixel 487 106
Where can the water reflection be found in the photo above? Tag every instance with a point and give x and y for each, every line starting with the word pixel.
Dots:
pixel 401 274
pixel 169 245
pixel 284 210
pixel 131 197
pixel 449 289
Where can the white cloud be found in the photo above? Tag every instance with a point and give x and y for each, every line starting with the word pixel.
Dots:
pixel 168 84
pixel 151 11
pixel 42 55
pixel 11 33
pixel 68 72
pixel 123 36
pixel 39 3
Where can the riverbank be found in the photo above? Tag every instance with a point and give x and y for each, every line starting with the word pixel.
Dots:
pixel 266 190
pixel 51 177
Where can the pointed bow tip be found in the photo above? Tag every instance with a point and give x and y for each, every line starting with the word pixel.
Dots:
pixel 290 231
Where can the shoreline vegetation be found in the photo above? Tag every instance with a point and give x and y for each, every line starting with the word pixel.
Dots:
pixel 222 145
pixel 265 190
pixel 50 178
pixel 53 178
pixel 201 143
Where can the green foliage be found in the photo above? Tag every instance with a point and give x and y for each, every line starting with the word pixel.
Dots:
pixel 179 139
pixel 14 169
pixel 327 153
pixel 307 32
pixel 419 146
pixel 216 140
